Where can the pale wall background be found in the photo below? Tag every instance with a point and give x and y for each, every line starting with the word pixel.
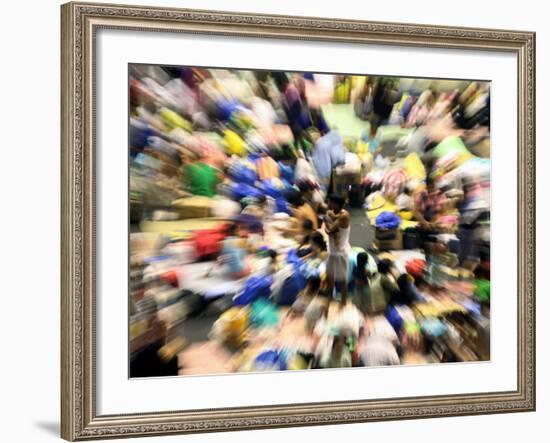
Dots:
pixel 29 221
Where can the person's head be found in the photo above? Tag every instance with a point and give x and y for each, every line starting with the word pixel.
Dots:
pixel 294 198
pixel 307 226
pixel 373 128
pixel 481 273
pixel 313 284
pixel 262 200
pixel 306 188
pixel 384 266
pixel 281 80
pixel 335 203
pixel 317 242
pixel 430 183
pixel 272 254
pixel 362 260
pixel 232 230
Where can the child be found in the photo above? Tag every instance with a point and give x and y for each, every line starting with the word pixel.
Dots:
pixel 372 137
pixel 318 248
pixel 273 264
pixel 339 356
pixel 361 276
pixel 383 287
pixel 316 307
pixel 234 253
pixel 306 296
pixel 337 227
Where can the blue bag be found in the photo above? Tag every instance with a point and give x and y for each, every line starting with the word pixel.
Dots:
pixel 242 174
pixel 281 205
pixel 242 190
pixel 271 190
pixel 294 284
pixel 257 286
pixel 394 319
pixel 226 108
pixel 139 133
pixel 271 360
pixel 287 172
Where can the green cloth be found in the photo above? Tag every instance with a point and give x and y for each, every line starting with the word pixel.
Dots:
pixel 450 144
pixel 482 290
pixel 263 313
pixel 201 179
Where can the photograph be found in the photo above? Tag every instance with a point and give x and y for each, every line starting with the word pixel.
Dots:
pixel 285 220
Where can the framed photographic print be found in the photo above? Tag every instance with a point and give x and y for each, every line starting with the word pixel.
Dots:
pixel 277 221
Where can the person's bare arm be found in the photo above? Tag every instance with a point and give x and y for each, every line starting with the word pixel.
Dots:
pixel 344 220
pixel 340 220
pixel 291 230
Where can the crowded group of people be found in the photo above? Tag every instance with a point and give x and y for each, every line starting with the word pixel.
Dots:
pixel 245 187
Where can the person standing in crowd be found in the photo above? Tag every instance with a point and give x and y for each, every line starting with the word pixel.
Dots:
pixel 328 153
pixel 338 227
pixel 293 105
pixel 386 94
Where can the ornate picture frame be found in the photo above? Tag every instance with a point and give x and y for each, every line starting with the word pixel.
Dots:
pixel 80 21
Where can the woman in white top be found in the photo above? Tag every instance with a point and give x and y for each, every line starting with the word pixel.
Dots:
pixel 337 226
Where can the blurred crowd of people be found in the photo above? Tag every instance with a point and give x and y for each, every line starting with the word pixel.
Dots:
pixel 246 188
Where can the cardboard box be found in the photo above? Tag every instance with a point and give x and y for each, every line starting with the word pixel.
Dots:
pixel 388 239
pixel 341 183
pixel 193 207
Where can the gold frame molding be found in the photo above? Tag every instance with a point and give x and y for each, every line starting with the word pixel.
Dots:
pixel 79 22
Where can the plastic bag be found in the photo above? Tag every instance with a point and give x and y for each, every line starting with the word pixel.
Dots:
pixel 263 313
pixel 238 191
pixel 271 360
pixel 414 168
pixel 388 220
pixel 295 282
pixel 257 286
pixel 234 143
pixel 281 205
pixel 287 172
pixel 231 326
pixel 242 174
pixel 394 318
pixel 271 189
